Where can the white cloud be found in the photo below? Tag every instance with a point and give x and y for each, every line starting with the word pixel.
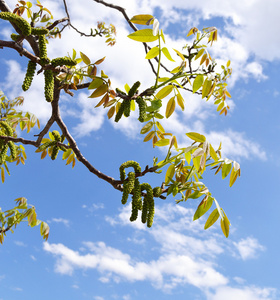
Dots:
pixel 20 244
pixel 182 255
pixel 60 220
pixel 248 248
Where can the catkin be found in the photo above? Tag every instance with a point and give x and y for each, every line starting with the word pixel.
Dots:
pixel 142 109
pixel 3 153
pixel 49 85
pixel 43 47
pixel 61 61
pixel 126 110
pixel 120 112
pixel 128 186
pixel 22 24
pixel 157 191
pixel 127 164
pixel 39 31
pixel 136 200
pixel 8 129
pixel 148 205
pixel 13 150
pixel 55 151
pixel 31 68
pixel 134 89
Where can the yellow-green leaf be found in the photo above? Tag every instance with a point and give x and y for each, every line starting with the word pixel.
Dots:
pixel 142 19
pixel 196 137
pixel 85 59
pixel 192 31
pixel 159 126
pixel 169 173
pixel 99 61
pixel 225 170
pixel 96 82
pixel 152 53
pixel 170 107
pixel 147 127
pixel 111 112
pixel 162 142
pixel 200 52
pixel 214 216
pixel 165 91
pixel 198 82
pixel 213 153
pixel 225 225
pixel 149 136
pixel 180 54
pixel 203 207
pixel 143 35
pixel 206 88
pixel 3 174
pixel 180 101
pixel 167 54
pixel 99 91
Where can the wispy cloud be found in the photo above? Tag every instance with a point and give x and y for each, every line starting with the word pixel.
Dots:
pixel 249 248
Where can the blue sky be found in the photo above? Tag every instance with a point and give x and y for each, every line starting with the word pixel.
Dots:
pixel 93 251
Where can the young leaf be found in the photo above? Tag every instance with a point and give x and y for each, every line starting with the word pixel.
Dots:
pixel 149 136
pixel 147 127
pixel 165 91
pixel 97 82
pixel 214 216
pixel 111 112
pixel 196 137
pixel 198 82
pixel 99 91
pixel 169 173
pixel 225 170
pixel 225 225
pixel 142 19
pixel 143 35
pixel 180 101
pixel 206 88
pixel 167 54
pixel 203 207
pixel 152 53
pixel 162 142
pixel 85 59
pixel 213 153
pixel 159 126
pixel 170 107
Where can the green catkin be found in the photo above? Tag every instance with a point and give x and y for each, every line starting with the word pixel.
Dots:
pixel 127 164
pixel 13 150
pixel 126 110
pixel 39 31
pixel 3 153
pixel 144 211
pixel 31 68
pixel 134 89
pixel 120 112
pixel 22 24
pixel 8 129
pixel 49 85
pixel 15 37
pixel 43 47
pixel 61 61
pixel 128 186
pixel 136 200
pixel 148 205
pixel 54 152
pixel 46 145
pixel 142 109
pixel 120 92
pixel 157 191
pixel 125 192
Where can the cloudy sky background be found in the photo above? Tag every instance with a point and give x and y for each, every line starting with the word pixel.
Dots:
pixel 94 252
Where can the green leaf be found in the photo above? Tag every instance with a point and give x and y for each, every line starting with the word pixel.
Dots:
pixel 99 91
pixel 206 88
pixel 196 137
pixel 97 82
pixel 142 19
pixel 164 92
pixel 213 153
pixel 147 128
pixel 85 59
pixel 200 52
pixel 152 53
pixel 149 136
pixel 127 88
pixel 203 207
pixel 198 82
pixel 225 225
pixel 162 142
pixel 225 170
pixel 143 35
pixel 180 101
pixel 170 107
pixel 169 173
pixel 214 216
pixel 159 126
pixel 167 54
